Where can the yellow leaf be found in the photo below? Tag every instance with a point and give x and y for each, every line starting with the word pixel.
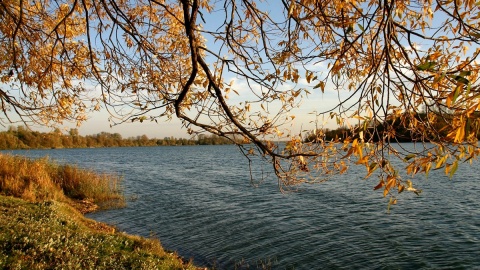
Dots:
pixel 379 185
pixel 320 85
pixel 363 160
pixel 291 8
pixel 453 168
pixel 309 76
pixel 391 181
pixel 354 143
pixel 441 162
pixel 349 153
pixel 460 134
pixel 449 100
pixel 358 151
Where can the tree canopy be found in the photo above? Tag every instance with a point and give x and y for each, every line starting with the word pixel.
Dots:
pixel 240 68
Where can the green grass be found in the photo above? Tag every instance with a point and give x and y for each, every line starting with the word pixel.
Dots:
pixel 42 226
pixel 53 235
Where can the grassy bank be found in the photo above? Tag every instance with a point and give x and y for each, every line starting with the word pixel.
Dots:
pixel 41 226
pixel 53 235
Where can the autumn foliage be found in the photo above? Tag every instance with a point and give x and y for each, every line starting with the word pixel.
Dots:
pixel 243 68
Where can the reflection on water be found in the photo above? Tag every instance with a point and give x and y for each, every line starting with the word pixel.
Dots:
pixel 199 201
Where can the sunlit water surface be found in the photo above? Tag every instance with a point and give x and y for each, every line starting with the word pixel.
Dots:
pixel 198 201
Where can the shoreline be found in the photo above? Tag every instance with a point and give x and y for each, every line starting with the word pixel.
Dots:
pixel 52 234
pixel 43 224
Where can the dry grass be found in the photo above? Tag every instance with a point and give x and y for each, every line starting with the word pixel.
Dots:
pixel 44 231
pixel 41 179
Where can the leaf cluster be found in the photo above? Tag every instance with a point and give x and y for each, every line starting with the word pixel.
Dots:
pixel 242 69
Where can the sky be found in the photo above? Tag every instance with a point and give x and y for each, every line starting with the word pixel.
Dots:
pixel 316 101
pixel 99 121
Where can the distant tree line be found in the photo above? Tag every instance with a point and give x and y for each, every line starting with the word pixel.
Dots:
pixel 21 137
pixel 401 129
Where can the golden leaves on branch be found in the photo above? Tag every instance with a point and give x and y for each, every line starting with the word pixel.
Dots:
pixel 409 70
pixel 42 47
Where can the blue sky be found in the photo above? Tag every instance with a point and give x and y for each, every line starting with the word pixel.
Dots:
pixel 315 102
pixel 99 121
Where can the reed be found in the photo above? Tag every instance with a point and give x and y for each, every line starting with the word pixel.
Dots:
pixel 42 179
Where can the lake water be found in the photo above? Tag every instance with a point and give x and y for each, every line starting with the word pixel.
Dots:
pixel 198 201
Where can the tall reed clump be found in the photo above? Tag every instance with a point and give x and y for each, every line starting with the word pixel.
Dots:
pixel 42 179
pixel 82 184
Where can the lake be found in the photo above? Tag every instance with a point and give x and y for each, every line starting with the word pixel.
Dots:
pixel 198 200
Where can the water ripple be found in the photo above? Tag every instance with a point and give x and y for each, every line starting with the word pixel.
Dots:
pixel 199 202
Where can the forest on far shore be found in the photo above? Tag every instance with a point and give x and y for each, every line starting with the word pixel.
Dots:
pixel 21 137
pixel 397 130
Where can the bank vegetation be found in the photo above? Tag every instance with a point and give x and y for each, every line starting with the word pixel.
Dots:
pixel 42 226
